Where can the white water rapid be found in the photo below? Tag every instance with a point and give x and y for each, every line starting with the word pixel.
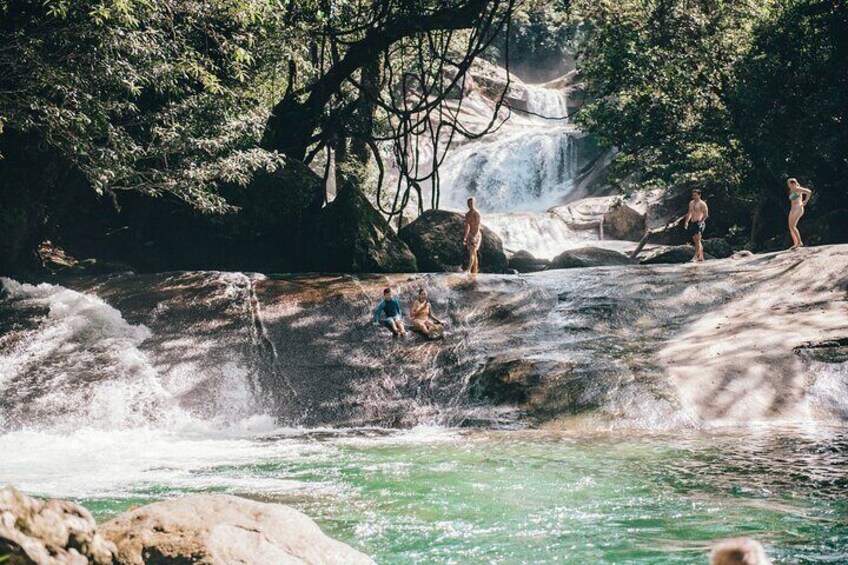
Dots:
pixel 517 173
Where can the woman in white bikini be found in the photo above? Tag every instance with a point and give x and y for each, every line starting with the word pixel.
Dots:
pixel 798 196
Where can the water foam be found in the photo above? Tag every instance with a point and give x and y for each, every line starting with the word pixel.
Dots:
pixel 518 169
pixel 85 366
pixel 547 102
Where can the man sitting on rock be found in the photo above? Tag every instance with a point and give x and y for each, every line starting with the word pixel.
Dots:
pixel 473 237
pixel 389 307
pixel 696 223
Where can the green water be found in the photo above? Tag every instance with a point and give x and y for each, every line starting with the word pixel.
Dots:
pixel 438 496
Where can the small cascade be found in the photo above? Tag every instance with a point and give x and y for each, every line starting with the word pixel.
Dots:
pixel 522 169
pixel 80 365
pixel 547 102
pixel 83 362
pixel 545 235
pixel 530 164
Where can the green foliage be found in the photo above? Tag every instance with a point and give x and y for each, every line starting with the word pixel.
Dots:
pixel 657 71
pixel 543 36
pixel 790 103
pixel 142 95
pixel 730 96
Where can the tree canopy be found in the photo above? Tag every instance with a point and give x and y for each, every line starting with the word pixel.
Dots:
pixel 733 97
pixel 151 96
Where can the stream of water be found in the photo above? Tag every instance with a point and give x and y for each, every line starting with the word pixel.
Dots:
pixel 434 495
pixel 132 389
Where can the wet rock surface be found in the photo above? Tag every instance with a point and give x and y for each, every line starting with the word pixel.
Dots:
pixel 671 255
pixel 588 257
pixel 632 344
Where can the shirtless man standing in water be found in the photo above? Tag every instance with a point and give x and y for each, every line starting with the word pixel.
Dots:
pixel 473 237
pixel 696 222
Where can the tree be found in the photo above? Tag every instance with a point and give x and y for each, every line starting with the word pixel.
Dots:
pixel 382 71
pixel 659 73
pixel 790 106
pixel 149 96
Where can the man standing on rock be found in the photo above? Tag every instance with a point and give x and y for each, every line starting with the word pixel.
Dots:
pixel 696 222
pixel 473 237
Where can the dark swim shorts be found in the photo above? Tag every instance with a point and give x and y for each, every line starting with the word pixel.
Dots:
pixel 696 228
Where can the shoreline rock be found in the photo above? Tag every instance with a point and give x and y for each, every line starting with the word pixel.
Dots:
pixel 213 529
pixel 50 532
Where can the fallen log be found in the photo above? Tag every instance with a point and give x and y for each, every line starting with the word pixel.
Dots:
pixel 654 232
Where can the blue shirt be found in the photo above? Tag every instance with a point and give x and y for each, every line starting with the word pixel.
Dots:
pixel 390 308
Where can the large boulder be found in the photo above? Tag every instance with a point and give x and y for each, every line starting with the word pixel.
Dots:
pixel 718 248
pixel 524 262
pixel 588 257
pixel 220 530
pixel 352 237
pixel 49 532
pixel 435 239
pixel 671 254
pixel 623 222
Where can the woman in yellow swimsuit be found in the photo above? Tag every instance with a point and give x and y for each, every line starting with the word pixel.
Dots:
pixel 422 317
pixel 798 196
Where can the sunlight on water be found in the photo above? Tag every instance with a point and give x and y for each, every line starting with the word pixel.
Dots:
pixel 431 495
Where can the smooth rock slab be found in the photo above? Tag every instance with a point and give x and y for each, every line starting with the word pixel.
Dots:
pixel 223 530
pixel 671 255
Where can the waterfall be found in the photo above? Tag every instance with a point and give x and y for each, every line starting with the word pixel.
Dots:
pixel 77 361
pixel 520 171
pixel 547 102
pixel 544 234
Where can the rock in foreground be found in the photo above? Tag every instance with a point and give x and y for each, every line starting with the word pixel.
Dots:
pixel 220 530
pixel 49 532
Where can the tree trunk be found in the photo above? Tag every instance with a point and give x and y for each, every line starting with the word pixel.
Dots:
pixel 292 124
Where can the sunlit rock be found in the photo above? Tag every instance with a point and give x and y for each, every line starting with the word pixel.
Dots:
pixel 220 530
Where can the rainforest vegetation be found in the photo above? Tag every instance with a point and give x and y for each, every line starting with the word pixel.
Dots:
pixel 185 100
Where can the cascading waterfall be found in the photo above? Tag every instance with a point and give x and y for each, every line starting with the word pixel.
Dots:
pixel 79 363
pixel 522 169
pixel 547 102
pixel 519 172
